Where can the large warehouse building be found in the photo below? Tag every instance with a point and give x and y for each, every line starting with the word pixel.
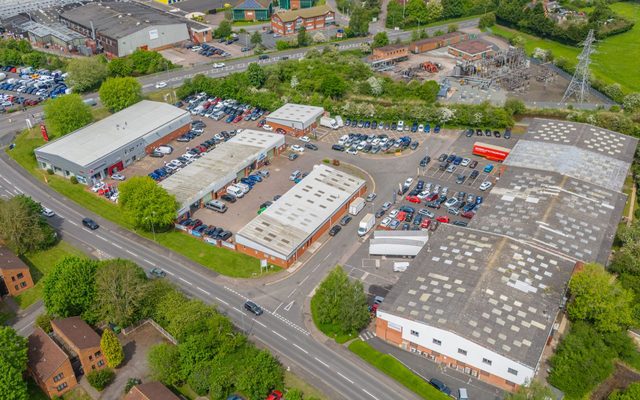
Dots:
pixel 484 299
pixel 109 145
pixel 285 230
pixel 207 177
pixel 295 119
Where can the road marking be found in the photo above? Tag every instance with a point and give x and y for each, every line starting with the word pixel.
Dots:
pixel 301 349
pixel 301 282
pixel 260 323
pixel 147 261
pixel 130 252
pixel 202 290
pixel 86 230
pixel 185 281
pixel 284 338
pixel 288 306
pixel 292 292
pixel 276 310
pixel 116 245
pixel 345 378
pixel 370 394
pixel 321 362
pixel 73 223
pixel 100 237
pixel 222 301
pixel 170 273
pixel 238 310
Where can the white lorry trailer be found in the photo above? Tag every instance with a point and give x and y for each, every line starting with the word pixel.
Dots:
pixel 356 206
pixel 366 224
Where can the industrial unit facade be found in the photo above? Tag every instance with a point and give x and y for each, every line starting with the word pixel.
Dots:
pixel 472 50
pixel 286 229
pixel 437 42
pixel 110 145
pixel 295 119
pixel 290 22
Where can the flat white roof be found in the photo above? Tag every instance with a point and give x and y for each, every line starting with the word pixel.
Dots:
pixel 220 166
pixel 297 113
pixel 283 227
pixel 101 138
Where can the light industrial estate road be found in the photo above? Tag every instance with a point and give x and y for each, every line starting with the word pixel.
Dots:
pixel 339 374
pixel 11 123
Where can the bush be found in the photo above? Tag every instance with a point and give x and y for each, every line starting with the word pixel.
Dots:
pixel 101 379
pixel 73 180
pixel 131 383
pixel 487 20
pixel 49 171
pixel 44 322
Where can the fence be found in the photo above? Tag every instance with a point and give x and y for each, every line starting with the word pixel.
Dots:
pixel 129 330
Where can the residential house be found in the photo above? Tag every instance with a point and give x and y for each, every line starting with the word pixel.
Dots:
pixel 49 365
pixel 150 391
pixel 314 18
pixel 80 340
pixel 15 277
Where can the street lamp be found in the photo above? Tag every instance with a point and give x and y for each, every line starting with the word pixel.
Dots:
pixel 153 230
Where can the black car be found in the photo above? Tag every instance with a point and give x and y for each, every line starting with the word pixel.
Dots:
pixel 89 223
pixel 442 157
pixel 379 213
pixel 487 132
pixel 440 386
pixel 474 174
pixel 263 57
pixel 426 160
pixel 337 147
pixel 224 235
pixel 414 145
pixel 228 197
pixel 334 231
pixel 345 220
pixel 460 179
pixel 469 132
pixel 311 146
pixel 507 134
pixel 253 307
pixel 496 133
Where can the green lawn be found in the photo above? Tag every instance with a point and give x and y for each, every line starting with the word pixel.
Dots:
pixel 396 370
pixel 237 24
pixel 39 265
pixel 330 330
pixel 617 58
pixel 293 381
pixel 221 260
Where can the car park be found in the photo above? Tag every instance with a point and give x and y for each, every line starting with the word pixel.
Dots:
pixel 485 185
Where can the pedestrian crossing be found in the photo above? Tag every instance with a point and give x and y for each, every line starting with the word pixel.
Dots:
pixel 366 335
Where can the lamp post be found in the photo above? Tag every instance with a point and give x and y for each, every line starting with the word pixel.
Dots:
pixel 153 230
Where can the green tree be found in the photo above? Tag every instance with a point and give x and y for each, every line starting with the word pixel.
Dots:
pixel 87 73
pixel 514 106
pixel 22 227
pixel 66 114
pixel 223 30
pixel 69 288
pixel 452 8
pixel 101 378
pixel 148 62
pixel 146 204
pixel 261 373
pixel 119 93
pixel 632 392
pixel 123 287
pixel 627 258
pixel 13 364
pixel 487 20
pixel 256 39
pixel 43 321
pixel 112 348
pixel 428 91
pixel 417 12
pixel 121 67
pixel 532 390
pixel 359 21
pixel 164 363
pixel 631 102
pixel 256 75
pixel 600 300
pixel 333 86
pixel 380 39
pixel 452 28
pixel 303 38
pixel 282 45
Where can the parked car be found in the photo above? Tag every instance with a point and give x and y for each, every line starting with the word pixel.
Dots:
pixel 118 177
pixel 345 220
pixel 371 197
pixel 440 386
pixel 228 197
pixel 311 146
pixel 485 185
pixel 334 230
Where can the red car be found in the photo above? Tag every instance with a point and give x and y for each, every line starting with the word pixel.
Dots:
pixel 401 216
pixel 413 199
pixel 468 214
pixel 425 224
pixel 237 119
pixel 275 395
pixel 431 197
pixel 443 218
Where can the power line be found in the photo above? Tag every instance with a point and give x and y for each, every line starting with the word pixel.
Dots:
pixel 579 85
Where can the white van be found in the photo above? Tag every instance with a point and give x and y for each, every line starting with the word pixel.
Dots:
pixel 343 140
pixel 462 394
pixel 243 186
pixel 236 191
pixel 216 205
pixel 164 149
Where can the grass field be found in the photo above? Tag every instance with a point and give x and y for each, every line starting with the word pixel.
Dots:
pixel 40 263
pixel 330 330
pixel 617 58
pixel 396 370
pixel 292 380
pixel 221 260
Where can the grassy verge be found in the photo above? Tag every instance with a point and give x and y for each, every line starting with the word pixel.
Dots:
pixel 40 263
pixel 221 260
pixel 396 370
pixel 331 330
pixel 292 381
pixel 444 23
pixel 237 24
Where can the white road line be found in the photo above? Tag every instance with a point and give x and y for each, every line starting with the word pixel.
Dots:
pixel 345 378
pixel 282 337
pixel 100 237
pixel 116 245
pixel 301 349
pixel 259 323
pixel 130 252
pixel 222 301
pixel 307 277
pixel 73 223
pixel 238 310
pixel 202 290
pixel 147 261
pixel 170 273
pixel 370 394
pixel 276 310
pixel 185 281
pixel 321 362
pixel 292 292
pixel 86 230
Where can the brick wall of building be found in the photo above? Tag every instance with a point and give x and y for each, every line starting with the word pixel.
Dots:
pixel 17 280
pixel 172 136
pixel 60 382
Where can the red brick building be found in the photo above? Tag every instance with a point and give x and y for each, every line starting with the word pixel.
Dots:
pixel 472 50
pixel 15 277
pixel 151 391
pixel 289 22
pixel 391 52
pixel 49 365
pixel 437 42
pixel 80 340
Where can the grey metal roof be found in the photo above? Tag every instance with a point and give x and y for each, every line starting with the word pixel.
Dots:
pixel 101 138
pixel 564 214
pixel 581 151
pixel 57 30
pixel 492 290
pixel 287 224
pixel 296 112
pixel 220 166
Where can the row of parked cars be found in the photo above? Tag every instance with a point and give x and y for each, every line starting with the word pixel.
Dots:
pixel 217 108
pixel 487 132
pixel 198 228
pixel 394 126
pixel 106 190
pixel 451 162
pixel 208 50
pixel 244 186
pixel 355 142
pixel 42 83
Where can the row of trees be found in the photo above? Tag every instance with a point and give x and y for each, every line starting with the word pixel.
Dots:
pixel 418 12
pixel 22 227
pixel 20 53
pixel 13 365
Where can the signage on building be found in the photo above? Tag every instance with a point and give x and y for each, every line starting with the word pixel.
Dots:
pixel 43 131
pixel 262 156
pixel 153 34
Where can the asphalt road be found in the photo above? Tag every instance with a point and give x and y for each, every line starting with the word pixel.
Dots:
pixel 336 372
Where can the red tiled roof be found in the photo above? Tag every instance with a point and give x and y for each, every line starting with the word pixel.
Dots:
pixel 44 354
pixel 151 391
pixel 79 333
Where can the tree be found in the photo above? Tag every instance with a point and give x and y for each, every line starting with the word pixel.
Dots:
pixel 359 22
pixel 122 66
pixel 532 390
pixel 631 102
pixel 380 39
pixel 43 321
pixel 66 114
pixel 599 299
pixel 69 289
pixel 119 93
pixel 112 348
pixel 632 392
pixel 333 86
pixel 627 258
pixel 517 41
pixel 101 378
pixel 261 373
pixel 487 20
pixel 22 227
pixel 303 38
pixel 223 30
pixel 123 287
pixel 452 8
pixel 452 28
pixel 164 363
pixel 256 39
pixel 256 75
pixel 147 204
pixel 148 62
pixel 13 363
pixel 428 91
pixel 87 73
pixel 375 86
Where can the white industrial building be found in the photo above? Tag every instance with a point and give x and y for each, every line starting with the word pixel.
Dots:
pixel 397 243
pixel 295 119
pixel 208 176
pixel 287 228
pixel 111 144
